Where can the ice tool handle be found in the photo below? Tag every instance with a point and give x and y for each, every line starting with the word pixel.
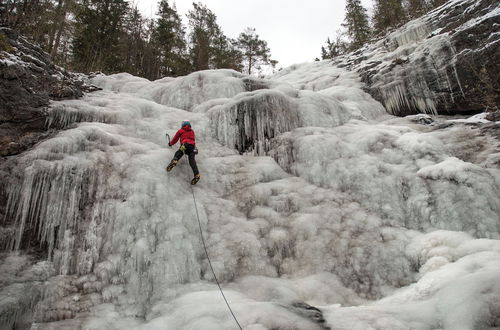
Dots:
pixel 168 137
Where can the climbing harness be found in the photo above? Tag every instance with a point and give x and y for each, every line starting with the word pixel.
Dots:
pixel 208 258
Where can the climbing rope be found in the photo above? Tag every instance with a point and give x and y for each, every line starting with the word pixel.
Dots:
pixel 208 258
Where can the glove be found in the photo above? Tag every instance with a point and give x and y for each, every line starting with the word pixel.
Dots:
pixel 170 145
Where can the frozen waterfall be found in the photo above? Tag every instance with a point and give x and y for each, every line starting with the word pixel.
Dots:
pixel 310 193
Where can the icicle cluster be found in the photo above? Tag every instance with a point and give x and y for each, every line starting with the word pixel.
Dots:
pixel 416 89
pixel 251 121
pixel 61 191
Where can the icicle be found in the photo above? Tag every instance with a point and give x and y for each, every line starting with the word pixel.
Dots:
pixel 412 32
pixel 248 124
pixel 458 79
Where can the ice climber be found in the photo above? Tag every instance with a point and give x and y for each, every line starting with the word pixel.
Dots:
pixel 188 147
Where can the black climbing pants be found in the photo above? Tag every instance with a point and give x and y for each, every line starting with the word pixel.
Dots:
pixel 188 149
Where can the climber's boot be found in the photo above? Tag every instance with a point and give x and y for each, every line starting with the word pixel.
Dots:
pixel 195 179
pixel 172 165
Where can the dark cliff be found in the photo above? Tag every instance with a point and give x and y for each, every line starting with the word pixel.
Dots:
pixel 445 62
pixel 28 81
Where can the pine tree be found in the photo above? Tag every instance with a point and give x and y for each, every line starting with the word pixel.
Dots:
pixel 255 51
pixel 416 8
pixel 388 14
pixel 31 18
pixel 203 30
pixel 133 42
pixel 151 61
pixel 169 38
pixel 58 26
pixel 335 48
pixel 226 54
pixel 45 22
pixel 99 27
pixel 356 23
pixel 328 51
pixel 205 38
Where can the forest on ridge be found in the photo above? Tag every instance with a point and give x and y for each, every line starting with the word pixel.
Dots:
pixel 113 36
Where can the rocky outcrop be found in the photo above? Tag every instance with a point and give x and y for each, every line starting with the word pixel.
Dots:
pixel 477 43
pixel 445 62
pixel 28 81
pixel 310 312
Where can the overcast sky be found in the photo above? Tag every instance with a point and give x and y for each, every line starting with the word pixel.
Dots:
pixel 295 30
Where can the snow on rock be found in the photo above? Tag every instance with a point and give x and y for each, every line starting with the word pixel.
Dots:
pixel 443 62
pixel 452 169
pixel 480 118
pixel 421 119
pixel 28 81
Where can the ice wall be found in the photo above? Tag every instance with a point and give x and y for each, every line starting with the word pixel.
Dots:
pixel 402 174
pixel 251 120
pixel 74 200
pixel 310 195
pixel 184 92
pixel 246 113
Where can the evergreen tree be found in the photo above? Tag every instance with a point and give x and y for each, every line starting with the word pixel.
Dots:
pixel 388 14
pixel 255 51
pixel 32 18
pixel 416 8
pixel 226 54
pixel 328 51
pixel 61 27
pixel 151 60
pixel 45 22
pixel 356 23
pixel 334 48
pixel 205 33
pixel 133 42
pixel 99 27
pixel 169 38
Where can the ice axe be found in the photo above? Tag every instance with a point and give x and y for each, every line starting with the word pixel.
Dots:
pixel 168 137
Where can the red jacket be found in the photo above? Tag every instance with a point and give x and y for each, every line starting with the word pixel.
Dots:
pixel 186 134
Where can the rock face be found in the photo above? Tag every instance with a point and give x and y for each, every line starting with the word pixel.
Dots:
pixel 28 81
pixel 445 62
pixel 310 312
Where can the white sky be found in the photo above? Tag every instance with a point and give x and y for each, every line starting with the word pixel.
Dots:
pixel 294 30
